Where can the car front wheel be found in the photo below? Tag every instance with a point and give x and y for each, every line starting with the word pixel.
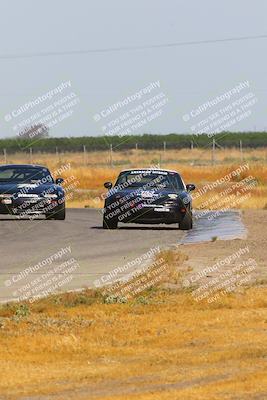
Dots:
pixel 187 222
pixel 59 214
pixel 110 224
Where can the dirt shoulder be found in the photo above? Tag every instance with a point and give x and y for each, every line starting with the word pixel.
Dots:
pixel 203 257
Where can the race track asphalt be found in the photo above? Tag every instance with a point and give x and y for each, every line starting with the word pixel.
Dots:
pixel 32 260
pixel 25 244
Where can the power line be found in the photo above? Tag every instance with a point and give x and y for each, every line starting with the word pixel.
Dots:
pixel 128 48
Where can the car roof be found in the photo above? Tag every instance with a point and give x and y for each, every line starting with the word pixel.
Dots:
pixel 149 169
pixel 23 165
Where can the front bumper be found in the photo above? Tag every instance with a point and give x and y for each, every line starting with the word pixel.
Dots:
pixel 28 206
pixel 143 213
pixel 155 215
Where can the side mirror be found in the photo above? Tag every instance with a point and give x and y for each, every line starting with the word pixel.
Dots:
pixel 108 185
pixel 59 181
pixel 190 187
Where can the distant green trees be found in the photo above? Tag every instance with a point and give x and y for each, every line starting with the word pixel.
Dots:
pixel 146 141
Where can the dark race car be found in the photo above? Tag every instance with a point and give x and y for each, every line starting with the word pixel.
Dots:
pixel 28 190
pixel 148 196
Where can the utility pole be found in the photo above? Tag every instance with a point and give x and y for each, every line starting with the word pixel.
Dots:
pixel 164 146
pixel 5 156
pixel 30 155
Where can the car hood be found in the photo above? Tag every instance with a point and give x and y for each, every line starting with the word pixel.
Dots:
pixel 28 188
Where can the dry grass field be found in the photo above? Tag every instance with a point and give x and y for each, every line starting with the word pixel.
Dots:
pixel 162 344
pixel 86 174
pixel 168 347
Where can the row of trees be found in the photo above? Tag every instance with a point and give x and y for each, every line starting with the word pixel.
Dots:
pixel 146 141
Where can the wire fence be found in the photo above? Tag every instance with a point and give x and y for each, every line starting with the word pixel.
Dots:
pixel 212 154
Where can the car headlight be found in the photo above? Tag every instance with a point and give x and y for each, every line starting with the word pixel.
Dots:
pixel 51 196
pixel 173 196
pixel 6 198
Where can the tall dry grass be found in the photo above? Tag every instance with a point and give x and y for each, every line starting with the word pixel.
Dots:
pixel 168 347
pixel 90 171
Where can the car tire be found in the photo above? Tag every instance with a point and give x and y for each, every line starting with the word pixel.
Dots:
pixel 49 216
pixel 58 215
pixel 61 214
pixel 112 224
pixel 187 222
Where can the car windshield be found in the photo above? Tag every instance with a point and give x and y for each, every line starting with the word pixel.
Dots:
pixel 25 175
pixel 150 180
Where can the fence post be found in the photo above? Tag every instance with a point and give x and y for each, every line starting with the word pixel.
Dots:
pixel 241 150
pixel 213 152
pixel 84 154
pixel 57 154
pixel 111 155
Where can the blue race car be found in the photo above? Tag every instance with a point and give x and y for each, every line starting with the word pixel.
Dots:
pixel 27 190
pixel 148 196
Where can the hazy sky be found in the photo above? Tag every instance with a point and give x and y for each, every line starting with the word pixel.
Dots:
pixel 189 75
